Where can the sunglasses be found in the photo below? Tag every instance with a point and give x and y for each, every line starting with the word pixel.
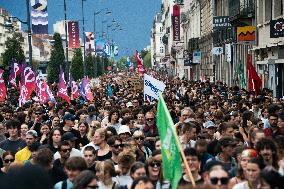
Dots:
pixel 118 145
pixel 38 113
pixel 93 186
pixel 9 160
pixel 139 138
pixel 66 150
pixel 155 164
pixel 223 180
pixel 150 119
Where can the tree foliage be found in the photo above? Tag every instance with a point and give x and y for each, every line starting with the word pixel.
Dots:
pixel 147 60
pixel 90 72
pixel 77 70
pixel 56 59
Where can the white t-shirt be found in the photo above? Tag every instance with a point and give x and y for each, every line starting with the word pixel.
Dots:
pixel 74 153
pixel 242 185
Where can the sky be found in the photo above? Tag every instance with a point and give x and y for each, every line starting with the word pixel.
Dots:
pixel 135 17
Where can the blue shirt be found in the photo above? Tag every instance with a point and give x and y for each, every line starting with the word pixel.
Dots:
pixel 59 185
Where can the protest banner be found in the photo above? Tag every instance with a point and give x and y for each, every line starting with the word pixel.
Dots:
pixel 152 87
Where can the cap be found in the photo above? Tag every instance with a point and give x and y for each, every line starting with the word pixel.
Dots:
pixel 68 136
pixel 138 133
pixel 123 129
pixel 91 109
pixel 69 117
pixel 32 132
pixel 208 124
pixel 129 104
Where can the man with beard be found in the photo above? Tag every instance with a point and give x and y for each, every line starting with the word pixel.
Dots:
pixel 116 147
pixel 150 130
pixel 267 150
pixel 25 153
pixel 273 130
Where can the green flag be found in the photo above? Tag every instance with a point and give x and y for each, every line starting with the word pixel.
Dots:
pixel 241 76
pixel 170 152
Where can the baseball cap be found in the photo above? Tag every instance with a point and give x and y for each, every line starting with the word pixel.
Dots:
pixel 123 129
pixel 208 124
pixel 69 117
pixel 129 104
pixel 68 136
pixel 32 132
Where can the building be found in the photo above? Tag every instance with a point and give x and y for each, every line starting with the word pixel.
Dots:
pixel 157 46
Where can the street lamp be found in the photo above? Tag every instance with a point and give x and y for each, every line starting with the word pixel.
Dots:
pixel 84 37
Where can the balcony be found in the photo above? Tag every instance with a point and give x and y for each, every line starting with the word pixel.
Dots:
pixel 239 9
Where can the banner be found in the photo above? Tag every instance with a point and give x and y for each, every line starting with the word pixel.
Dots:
pixel 106 49
pixel 277 28
pixel 28 82
pixel 41 90
pixel 115 51
pixel 228 51
pixel 2 87
pixel 246 33
pixel 73 35
pixel 152 87
pixel 85 90
pixel 217 50
pixel 90 43
pixel 139 62
pixel 100 45
pixel 74 89
pixel 39 16
pixel 14 72
pixel 176 23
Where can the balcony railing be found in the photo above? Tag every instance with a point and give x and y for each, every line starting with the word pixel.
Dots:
pixel 241 8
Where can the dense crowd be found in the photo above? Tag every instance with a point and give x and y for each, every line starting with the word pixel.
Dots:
pixel 230 137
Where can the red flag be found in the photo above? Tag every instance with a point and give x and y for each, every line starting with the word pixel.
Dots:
pixel 2 87
pixel 74 89
pixel 254 81
pixel 62 89
pixel 41 90
pixel 28 83
pixel 139 62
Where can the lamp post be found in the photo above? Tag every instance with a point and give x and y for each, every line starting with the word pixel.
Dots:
pixel 67 68
pixel 84 38
pixel 29 31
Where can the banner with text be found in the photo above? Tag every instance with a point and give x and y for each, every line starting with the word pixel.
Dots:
pixel 90 42
pixel 152 87
pixel 73 32
pixel 176 22
pixel 39 16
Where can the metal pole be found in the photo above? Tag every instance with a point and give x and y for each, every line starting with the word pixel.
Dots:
pixel 29 32
pixel 67 67
pixel 84 38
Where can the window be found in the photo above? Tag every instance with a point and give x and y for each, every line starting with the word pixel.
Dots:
pixel 161 29
pixel 161 39
pixel 268 10
pixel 278 8
pixel 161 49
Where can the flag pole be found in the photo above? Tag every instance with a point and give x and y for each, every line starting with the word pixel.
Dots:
pixel 188 171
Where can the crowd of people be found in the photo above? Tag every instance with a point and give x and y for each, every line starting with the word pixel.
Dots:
pixel 231 138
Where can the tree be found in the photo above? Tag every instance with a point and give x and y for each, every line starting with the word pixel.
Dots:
pixel 77 70
pixel 121 63
pixel 147 60
pixel 56 59
pixel 99 66
pixel 90 68
pixel 13 50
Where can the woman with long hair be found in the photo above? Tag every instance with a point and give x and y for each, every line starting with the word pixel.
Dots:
pixel 83 128
pixel 100 139
pixel 54 139
pixel 113 119
pixel 44 133
pixel 105 172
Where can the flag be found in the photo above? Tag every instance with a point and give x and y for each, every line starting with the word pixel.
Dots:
pixel 14 72
pixel 170 152
pixel 41 90
pixel 62 89
pixel 109 91
pixel 139 62
pixel 50 94
pixel 74 89
pixel 85 90
pixel 242 80
pixel 2 87
pixel 28 83
pixel 254 81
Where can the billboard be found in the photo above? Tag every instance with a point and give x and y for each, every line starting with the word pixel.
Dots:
pixel 246 33
pixel 277 28
pixel 39 16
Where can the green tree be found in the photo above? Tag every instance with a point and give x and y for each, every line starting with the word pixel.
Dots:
pixel 77 70
pixel 56 59
pixel 99 66
pixel 90 68
pixel 121 63
pixel 147 60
